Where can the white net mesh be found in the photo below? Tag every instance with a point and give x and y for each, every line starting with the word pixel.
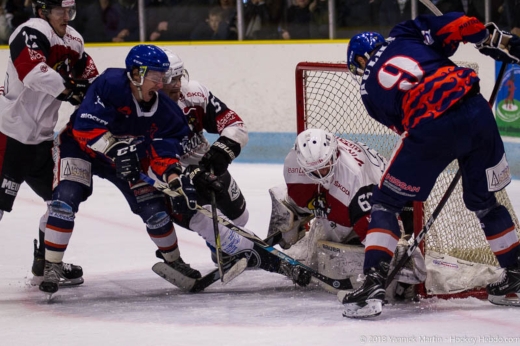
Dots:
pixel 331 101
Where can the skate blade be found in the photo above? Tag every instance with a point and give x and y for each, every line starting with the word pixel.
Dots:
pixel 234 271
pixel 37 280
pixel 373 308
pixel 505 301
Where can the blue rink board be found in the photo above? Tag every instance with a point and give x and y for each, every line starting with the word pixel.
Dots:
pixel 272 147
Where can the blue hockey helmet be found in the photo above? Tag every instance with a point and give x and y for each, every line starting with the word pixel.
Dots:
pixel 362 44
pixel 147 58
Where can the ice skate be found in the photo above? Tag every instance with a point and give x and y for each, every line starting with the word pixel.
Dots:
pixel 72 274
pixel 55 273
pixel 509 284
pixel 366 301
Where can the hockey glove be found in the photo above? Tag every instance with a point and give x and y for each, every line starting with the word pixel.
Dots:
pixel 220 155
pixel 125 157
pixel 78 88
pixel 500 45
pixel 186 201
pixel 204 180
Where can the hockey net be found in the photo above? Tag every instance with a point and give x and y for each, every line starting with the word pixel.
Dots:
pixel 328 97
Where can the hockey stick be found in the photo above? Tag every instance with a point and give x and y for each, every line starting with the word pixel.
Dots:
pixel 420 236
pixel 218 247
pixel 342 284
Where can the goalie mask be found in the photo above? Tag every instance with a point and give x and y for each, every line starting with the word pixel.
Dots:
pixel 316 153
pixel 362 44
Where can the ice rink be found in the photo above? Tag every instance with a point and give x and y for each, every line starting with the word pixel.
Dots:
pixel 122 302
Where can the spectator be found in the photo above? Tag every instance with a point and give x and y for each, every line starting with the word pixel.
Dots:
pixel 510 16
pixel 128 27
pixel 98 22
pixel 209 29
pixel 174 21
pixel 392 12
pixel 300 19
pixel 259 24
pixel 466 6
pixel 18 12
pixel 5 30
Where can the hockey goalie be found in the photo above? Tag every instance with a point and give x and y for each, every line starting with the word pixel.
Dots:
pixel 321 213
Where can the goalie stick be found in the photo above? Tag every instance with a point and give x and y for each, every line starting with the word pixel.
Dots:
pixel 341 284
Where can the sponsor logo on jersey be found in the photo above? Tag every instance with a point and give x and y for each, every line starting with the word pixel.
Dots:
pixel 226 119
pixel 498 176
pixel 35 56
pixel 428 39
pixel 195 94
pixel 75 169
pixel 125 110
pixel 319 207
pixel 341 188
pixel 99 102
pixel 190 144
pixel 400 184
pixel 297 170
pixel 10 187
pixel 44 68
pixel 93 117
pixel 73 38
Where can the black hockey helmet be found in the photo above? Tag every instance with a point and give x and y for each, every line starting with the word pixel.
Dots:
pixel 47 5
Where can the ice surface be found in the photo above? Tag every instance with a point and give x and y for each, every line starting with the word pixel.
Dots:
pixel 122 302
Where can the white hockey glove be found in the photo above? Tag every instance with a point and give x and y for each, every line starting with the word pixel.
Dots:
pixel 285 219
pixel 501 45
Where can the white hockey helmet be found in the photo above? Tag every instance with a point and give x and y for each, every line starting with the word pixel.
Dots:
pixel 176 64
pixel 317 150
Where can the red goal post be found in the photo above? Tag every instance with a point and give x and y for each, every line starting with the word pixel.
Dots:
pixel 327 97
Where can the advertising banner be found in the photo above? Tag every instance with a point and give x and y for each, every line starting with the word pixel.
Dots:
pixel 507 109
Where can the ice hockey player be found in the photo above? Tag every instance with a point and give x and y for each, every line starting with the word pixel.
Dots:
pixel 123 127
pixel 332 179
pixel 206 112
pixel 47 64
pixel 410 85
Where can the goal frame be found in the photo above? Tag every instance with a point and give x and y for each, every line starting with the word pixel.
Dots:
pixel 301 125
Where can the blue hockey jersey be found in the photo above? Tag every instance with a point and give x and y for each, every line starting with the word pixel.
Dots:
pixel 110 106
pixel 411 79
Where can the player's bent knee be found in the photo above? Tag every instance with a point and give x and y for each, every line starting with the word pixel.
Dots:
pixel 158 220
pixel 61 210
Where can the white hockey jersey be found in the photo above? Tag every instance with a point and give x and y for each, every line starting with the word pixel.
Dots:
pixel 38 61
pixel 345 204
pixel 206 112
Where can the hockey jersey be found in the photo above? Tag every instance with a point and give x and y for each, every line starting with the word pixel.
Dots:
pixel 411 79
pixel 345 203
pixel 39 59
pixel 110 106
pixel 205 111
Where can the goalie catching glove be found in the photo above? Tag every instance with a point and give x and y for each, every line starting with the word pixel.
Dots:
pixel 77 87
pixel 220 155
pixel 501 45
